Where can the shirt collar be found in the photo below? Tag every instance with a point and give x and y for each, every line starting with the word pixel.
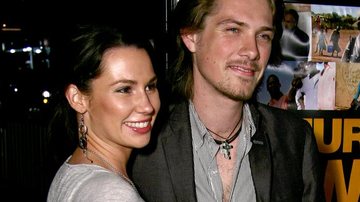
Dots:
pixel 198 140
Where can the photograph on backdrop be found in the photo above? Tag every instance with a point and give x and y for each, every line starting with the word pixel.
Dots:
pixel 348 86
pixel 335 30
pixel 308 86
pixel 295 39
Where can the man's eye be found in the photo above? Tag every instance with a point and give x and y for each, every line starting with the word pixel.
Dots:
pixel 265 37
pixel 233 29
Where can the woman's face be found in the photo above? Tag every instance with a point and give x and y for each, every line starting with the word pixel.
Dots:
pixel 124 100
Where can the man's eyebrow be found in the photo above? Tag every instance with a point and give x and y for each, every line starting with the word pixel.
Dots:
pixel 244 24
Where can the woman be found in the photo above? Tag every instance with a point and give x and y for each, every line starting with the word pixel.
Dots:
pixel 112 98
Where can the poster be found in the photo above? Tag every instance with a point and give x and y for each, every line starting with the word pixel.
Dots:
pixel 319 80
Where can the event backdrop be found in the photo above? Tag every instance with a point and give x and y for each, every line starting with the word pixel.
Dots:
pixel 323 86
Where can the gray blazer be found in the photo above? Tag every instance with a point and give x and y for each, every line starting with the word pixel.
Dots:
pixel 284 159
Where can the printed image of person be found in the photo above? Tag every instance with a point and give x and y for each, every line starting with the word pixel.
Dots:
pixel 321 42
pixel 351 53
pixel 326 86
pixel 355 105
pixel 317 26
pixel 307 97
pixel 295 43
pixel 334 39
pixel 296 83
pixel 277 98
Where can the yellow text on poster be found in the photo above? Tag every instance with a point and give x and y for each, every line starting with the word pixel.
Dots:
pixel 345 134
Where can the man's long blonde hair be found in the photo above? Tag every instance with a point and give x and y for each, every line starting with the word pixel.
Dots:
pixel 190 15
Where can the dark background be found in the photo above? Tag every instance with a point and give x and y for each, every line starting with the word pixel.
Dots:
pixel 54 21
pixel 26 166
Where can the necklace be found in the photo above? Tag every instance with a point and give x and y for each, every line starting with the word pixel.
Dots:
pixel 225 145
pixel 112 168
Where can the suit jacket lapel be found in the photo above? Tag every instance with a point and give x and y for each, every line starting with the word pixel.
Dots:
pixel 260 160
pixel 177 144
pixel 178 153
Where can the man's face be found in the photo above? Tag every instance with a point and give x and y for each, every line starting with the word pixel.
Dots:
pixel 232 51
pixel 289 22
pixel 273 85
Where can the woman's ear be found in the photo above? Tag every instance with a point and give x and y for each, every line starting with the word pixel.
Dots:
pixel 189 39
pixel 76 99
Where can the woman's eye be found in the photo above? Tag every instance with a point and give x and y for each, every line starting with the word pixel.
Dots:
pixel 151 87
pixel 124 90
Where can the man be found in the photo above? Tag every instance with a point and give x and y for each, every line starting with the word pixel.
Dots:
pixel 295 43
pixel 355 56
pixel 351 53
pixel 334 38
pixel 307 96
pixel 219 145
pixel 326 86
pixel 277 98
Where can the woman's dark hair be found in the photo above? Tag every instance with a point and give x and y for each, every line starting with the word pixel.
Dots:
pixel 78 62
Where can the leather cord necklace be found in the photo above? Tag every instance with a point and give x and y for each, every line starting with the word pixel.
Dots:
pixel 225 145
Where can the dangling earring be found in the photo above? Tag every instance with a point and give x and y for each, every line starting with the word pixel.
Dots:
pixel 83 133
pixel 83 139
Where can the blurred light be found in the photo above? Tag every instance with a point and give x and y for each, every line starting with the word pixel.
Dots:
pixel 34 109
pixel 12 50
pixel 45 100
pixel 16 89
pixel 38 51
pixel 10 29
pixel 27 49
pixel 46 94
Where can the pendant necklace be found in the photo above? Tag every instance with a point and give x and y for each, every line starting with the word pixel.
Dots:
pixel 112 168
pixel 225 145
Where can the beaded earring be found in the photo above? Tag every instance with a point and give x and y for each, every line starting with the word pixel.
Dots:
pixel 83 133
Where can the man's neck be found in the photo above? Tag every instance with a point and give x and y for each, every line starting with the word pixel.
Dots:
pixel 277 95
pixel 218 114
